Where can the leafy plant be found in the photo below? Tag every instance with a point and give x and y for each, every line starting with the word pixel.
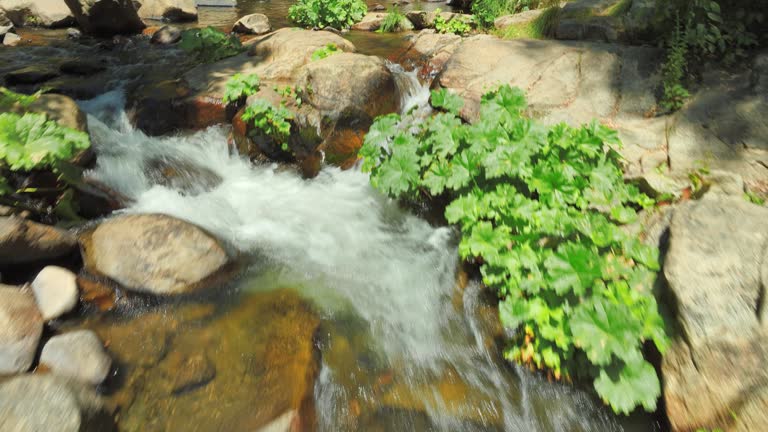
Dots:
pixel 210 45
pixel 338 14
pixel 270 121
pixel 486 11
pixel 288 94
pixel 540 210
pixel 393 22
pixel 673 71
pixel 241 86
pixel 8 98
pixel 326 51
pixel 454 25
pixel 540 27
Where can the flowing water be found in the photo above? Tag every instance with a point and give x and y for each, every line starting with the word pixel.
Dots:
pixel 381 276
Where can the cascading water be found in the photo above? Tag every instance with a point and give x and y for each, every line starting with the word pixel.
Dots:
pixel 355 254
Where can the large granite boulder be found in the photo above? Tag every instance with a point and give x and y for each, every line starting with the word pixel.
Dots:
pixel 106 17
pixel 155 253
pixel 45 13
pixel 714 373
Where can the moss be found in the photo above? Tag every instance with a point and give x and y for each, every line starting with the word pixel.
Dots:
pixel 540 28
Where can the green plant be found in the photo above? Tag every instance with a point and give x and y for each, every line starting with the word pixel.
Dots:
pixel 289 94
pixel 326 51
pixel 540 27
pixel 241 86
pixel 270 121
pixel 540 210
pixel 455 25
pixel 8 98
pixel 486 11
pixel 754 198
pixel 393 22
pixel 673 70
pixel 210 45
pixel 338 14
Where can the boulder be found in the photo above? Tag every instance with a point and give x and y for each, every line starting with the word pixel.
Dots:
pixel 78 355
pixel 168 10
pixel 11 39
pixel 106 17
pixel 4 20
pixel 62 109
pixel 44 13
pixel 166 35
pixel 37 403
pixel 55 290
pixel 154 253
pixel 714 373
pixel 20 329
pixel 371 21
pixel 23 241
pixel 253 24
pixel 431 49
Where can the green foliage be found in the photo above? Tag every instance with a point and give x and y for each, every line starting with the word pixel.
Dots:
pixel 32 141
pixel 486 11
pixel 270 121
pixel 326 51
pixel 393 21
pixel 540 209
pixel 456 25
pixel 754 198
pixel 241 86
pixel 673 71
pixel 9 98
pixel 338 14
pixel 289 94
pixel 541 27
pixel 210 45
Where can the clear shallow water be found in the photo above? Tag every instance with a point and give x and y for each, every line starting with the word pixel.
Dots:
pixel 383 279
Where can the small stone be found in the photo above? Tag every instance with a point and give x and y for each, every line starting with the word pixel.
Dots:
pixel 79 355
pixel 73 33
pixel 11 39
pixel 55 290
pixel 20 328
pixel 253 24
pixel 166 35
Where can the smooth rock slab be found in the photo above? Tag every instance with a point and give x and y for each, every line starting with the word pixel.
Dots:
pixel 55 290
pixel 78 355
pixel 153 253
pixel 20 328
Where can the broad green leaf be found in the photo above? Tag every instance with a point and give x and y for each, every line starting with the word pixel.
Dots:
pixel 445 100
pixel 398 174
pixel 513 312
pixel 604 329
pixel 636 384
pixel 573 268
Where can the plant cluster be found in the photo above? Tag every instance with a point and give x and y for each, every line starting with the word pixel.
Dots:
pixel 338 14
pixel 455 25
pixel 270 121
pixel 325 51
pixel 240 86
pixel 540 210
pixel 289 94
pixel 393 22
pixel 486 11
pixel 209 45
pixel 673 71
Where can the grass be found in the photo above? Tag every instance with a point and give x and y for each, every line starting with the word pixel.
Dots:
pixel 540 28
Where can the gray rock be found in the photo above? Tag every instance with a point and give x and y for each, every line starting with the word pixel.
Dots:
pixel 73 33
pixel 154 253
pixel 23 241
pixel 168 10
pixel 45 13
pixel 11 39
pixel 77 355
pixel 526 17
pixel 253 24
pixel 106 17
pixel 43 403
pixel 20 328
pixel 716 268
pixel 166 35
pixel 56 292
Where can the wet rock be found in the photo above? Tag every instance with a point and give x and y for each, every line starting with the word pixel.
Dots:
pixel 168 10
pixel 31 75
pixel 62 109
pixel 36 403
pixel 154 253
pixel 23 241
pixel 183 176
pixel 55 290
pixel 253 24
pixel 187 371
pixel 44 13
pixel 78 355
pixel 81 67
pixel 432 49
pixel 106 17
pixel 716 270
pixel 74 34
pixel 97 293
pixel 11 39
pixel 166 35
pixel 20 329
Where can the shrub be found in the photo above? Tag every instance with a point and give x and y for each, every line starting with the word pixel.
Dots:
pixel 270 121
pixel 338 14
pixel 540 210
pixel 673 71
pixel 240 87
pixel 393 21
pixel 210 45
pixel 455 25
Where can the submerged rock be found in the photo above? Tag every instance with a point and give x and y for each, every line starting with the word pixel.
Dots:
pixel 44 13
pixel 20 329
pixel 37 403
pixel 106 17
pixel 78 355
pixel 154 253
pixel 55 291
pixel 253 24
pixel 23 241
pixel 31 75
pixel 716 271
pixel 166 35
pixel 168 10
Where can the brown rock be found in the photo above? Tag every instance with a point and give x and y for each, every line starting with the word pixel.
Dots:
pixel 23 241
pixel 21 326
